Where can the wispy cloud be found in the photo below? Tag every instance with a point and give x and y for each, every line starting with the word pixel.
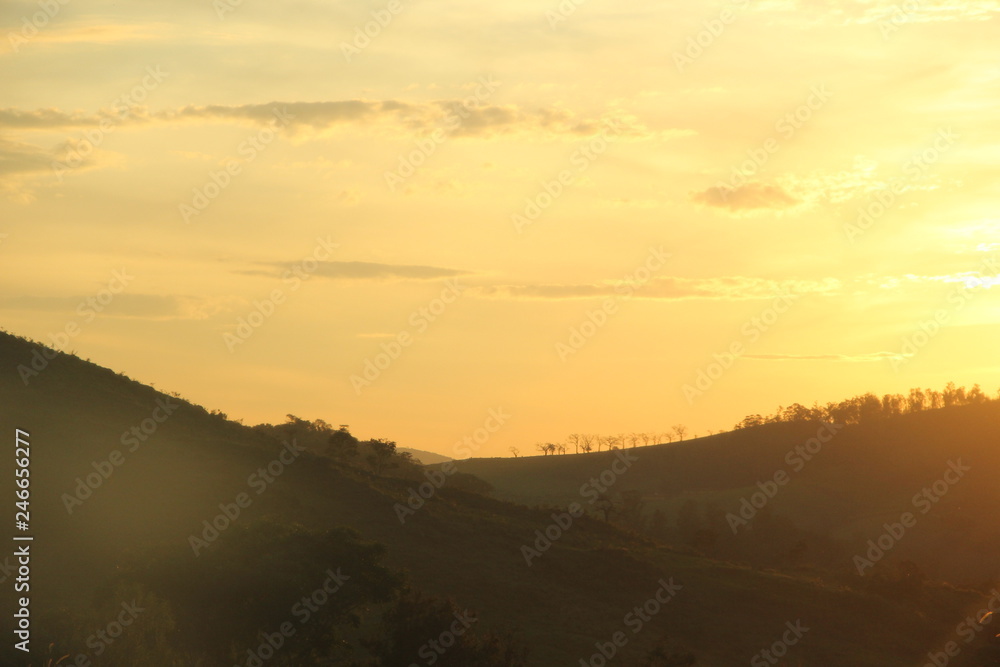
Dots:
pixel 452 115
pixel 851 358
pixel 126 305
pixel 362 271
pixel 749 197
pixel 732 288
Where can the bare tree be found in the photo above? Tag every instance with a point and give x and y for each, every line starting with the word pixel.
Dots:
pixel 515 451
pixel 586 443
pixel 681 430
pixel 542 447
pixel 574 439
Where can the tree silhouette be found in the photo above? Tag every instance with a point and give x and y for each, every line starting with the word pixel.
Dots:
pixel 867 407
pixel 382 452
pixel 341 445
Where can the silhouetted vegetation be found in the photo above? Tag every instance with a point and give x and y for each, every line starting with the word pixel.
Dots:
pixel 868 407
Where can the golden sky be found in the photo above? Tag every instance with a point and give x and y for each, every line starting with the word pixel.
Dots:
pixel 401 214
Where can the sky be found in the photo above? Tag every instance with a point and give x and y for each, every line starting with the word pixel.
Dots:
pixel 412 216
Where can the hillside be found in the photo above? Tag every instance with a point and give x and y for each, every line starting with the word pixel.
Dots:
pixel 427 458
pixel 841 494
pixel 573 596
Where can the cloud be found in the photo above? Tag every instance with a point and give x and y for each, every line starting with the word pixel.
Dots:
pixel 363 271
pixel 455 117
pixel 853 358
pixel 749 197
pixel 21 158
pixel 847 12
pixel 137 306
pixel 22 168
pixel 732 288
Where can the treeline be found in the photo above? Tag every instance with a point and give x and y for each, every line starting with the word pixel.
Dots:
pixel 591 442
pixel 868 407
pixel 377 456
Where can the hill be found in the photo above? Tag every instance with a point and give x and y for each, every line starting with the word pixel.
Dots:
pixel 831 488
pixel 426 458
pixel 127 480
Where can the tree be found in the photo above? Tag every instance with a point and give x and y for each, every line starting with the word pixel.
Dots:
pixel 245 584
pixel 414 618
pixel 586 443
pixel 689 521
pixel 574 439
pixel 680 430
pixel 663 656
pixel 631 508
pixel 515 451
pixel 605 505
pixel 382 451
pixel 341 445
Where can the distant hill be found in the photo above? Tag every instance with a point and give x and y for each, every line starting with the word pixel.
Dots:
pixel 427 458
pixel 577 593
pixel 834 500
